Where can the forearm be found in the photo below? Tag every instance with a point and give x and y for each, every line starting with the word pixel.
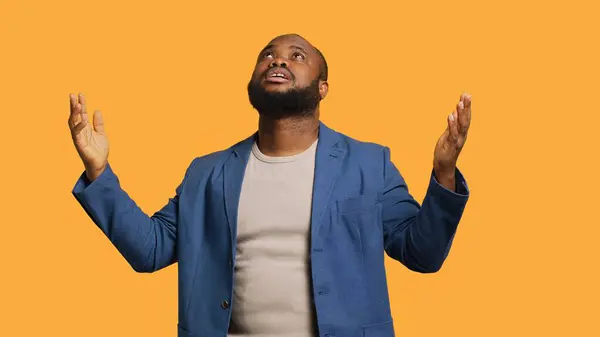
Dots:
pixel 422 242
pixel 135 234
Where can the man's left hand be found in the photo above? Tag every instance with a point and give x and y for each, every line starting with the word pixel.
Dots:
pixel 451 143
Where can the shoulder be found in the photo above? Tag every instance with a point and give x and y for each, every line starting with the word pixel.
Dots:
pixel 210 159
pixel 212 162
pixel 364 160
pixel 369 158
pixel 361 148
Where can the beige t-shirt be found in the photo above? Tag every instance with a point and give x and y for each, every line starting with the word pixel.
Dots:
pixel 272 293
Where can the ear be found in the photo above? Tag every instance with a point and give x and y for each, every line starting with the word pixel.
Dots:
pixel 323 88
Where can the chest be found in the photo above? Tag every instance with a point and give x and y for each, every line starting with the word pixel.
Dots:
pixel 275 201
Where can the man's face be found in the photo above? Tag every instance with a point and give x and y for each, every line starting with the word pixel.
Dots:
pixel 285 81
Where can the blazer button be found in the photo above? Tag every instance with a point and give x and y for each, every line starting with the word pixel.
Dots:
pixel 225 304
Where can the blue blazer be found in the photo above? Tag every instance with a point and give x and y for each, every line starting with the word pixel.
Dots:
pixel 361 209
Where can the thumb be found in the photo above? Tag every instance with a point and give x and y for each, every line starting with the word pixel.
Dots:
pixel 98 122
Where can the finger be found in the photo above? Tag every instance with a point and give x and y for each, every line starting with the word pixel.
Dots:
pixel 468 107
pixel 83 108
pixel 80 126
pixel 72 102
pixel 460 114
pixel 82 102
pixel 452 128
pixel 72 110
pixel 75 116
pixel 465 118
pixel 98 122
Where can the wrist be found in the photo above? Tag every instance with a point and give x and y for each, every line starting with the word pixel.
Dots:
pixel 446 177
pixel 93 173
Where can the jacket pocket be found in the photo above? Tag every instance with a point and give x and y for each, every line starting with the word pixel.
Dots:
pixel 358 203
pixel 385 329
pixel 361 217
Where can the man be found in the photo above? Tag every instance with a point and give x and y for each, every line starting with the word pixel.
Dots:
pixel 284 233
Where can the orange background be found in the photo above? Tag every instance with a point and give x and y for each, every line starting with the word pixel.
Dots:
pixel 170 79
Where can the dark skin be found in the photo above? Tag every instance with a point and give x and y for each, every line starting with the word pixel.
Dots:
pixel 277 137
pixel 284 137
pixel 289 136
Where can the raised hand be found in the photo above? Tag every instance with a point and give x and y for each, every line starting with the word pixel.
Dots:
pixel 451 142
pixel 90 140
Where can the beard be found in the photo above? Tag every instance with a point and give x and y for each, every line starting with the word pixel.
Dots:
pixel 295 102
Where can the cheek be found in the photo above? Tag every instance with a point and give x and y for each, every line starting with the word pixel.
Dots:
pixel 256 74
pixel 304 75
pixel 259 70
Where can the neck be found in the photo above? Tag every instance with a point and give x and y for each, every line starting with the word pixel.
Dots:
pixel 287 136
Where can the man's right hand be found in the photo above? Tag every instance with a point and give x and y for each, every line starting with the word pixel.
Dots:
pixel 90 139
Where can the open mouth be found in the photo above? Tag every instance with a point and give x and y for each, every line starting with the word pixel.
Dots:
pixel 278 75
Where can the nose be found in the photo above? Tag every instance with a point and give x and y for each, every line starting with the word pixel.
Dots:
pixel 278 62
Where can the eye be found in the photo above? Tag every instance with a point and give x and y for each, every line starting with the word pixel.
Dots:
pixel 298 56
pixel 268 54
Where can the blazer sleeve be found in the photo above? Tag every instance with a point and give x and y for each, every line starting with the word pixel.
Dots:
pixel 420 236
pixel 148 243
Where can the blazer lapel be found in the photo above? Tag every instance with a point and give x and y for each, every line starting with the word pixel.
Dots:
pixel 233 171
pixel 330 154
pixel 329 157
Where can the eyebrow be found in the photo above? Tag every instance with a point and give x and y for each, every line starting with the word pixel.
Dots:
pixel 292 46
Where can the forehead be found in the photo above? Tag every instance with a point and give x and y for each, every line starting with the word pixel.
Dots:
pixel 291 42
